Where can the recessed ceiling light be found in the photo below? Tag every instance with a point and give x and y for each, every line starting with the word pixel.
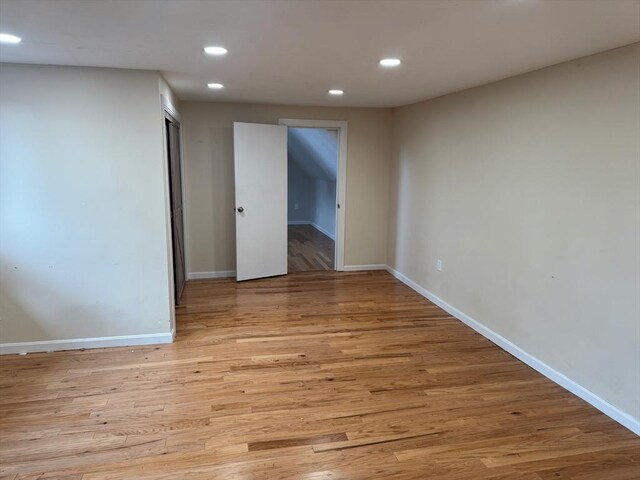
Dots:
pixel 390 62
pixel 215 86
pixel 336 92
pixel 8 38
pixel 215 50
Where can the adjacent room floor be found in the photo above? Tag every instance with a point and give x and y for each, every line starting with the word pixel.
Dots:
pixel 309 249
pixel 320 375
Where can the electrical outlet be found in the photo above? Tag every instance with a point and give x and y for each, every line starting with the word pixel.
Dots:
pixel 295 206
pixel 439 265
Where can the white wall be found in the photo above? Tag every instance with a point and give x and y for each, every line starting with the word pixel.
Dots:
pixel 208 151
pixel 324 214
pixel 301 194
pixel 314 198
pixel 83 244
pixel 529 191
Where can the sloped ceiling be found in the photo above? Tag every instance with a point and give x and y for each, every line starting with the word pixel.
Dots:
pixel 315 150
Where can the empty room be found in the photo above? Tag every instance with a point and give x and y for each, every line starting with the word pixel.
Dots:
pixel 320 239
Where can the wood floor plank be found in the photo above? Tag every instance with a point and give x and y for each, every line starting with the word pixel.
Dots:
pixel 315 375
pixel 309 249
pixel 296 442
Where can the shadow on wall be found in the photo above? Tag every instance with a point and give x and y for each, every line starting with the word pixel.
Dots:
pixel 222 244
pixel 29 309
pixel 12 308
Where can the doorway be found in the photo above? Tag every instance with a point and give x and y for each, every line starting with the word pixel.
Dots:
pixel 172 127
pixel 261 197
pixel 334 138
pixel 312 167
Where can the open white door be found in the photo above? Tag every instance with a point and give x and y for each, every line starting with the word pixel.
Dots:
pixel 260 158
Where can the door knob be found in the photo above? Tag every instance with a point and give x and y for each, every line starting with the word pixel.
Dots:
pixel 240 209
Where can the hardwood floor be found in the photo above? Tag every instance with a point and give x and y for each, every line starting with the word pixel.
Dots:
pixel 309 249
pixel 310 376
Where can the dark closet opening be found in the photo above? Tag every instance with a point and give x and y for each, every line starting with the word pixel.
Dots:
pixel 175 197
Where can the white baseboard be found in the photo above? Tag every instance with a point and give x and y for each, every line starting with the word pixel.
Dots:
pixel 605 407
pixel 205 275
pixel 326 232
pixel 79 343
pixel 361 268
pixel 314 225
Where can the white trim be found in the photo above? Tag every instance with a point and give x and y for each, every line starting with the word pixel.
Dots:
pixel 362 268
pixel 341 180
pixel 78 343
pixel 216 274
pixel 314 225
pixel 605 407
pixel 167 106
pixel 167 215
pixel 325 232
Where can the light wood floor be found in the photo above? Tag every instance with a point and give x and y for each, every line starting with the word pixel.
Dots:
pixel 310 376
pixel 309 249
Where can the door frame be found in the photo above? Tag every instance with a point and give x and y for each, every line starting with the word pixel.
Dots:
pixel 169 111
pixel 341 179
pixel 173 132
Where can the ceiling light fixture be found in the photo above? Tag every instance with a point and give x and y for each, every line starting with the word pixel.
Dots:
pixel 8 38
pixel 336 92
pixel 390 62
pixel 215 86
pixel 215 51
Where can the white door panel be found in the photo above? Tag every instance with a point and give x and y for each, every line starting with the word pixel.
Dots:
pixel 260 159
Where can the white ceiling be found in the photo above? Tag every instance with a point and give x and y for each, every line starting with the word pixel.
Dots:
pixel 293 51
